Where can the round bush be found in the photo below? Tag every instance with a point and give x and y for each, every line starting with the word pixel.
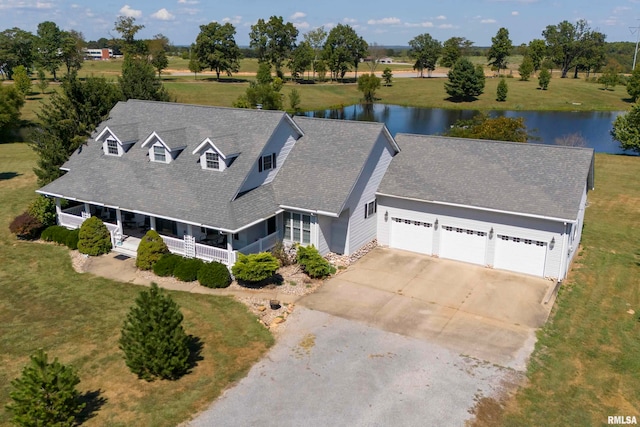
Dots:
pixel 51 234
pixel 150 250
pixel 214 275
pixel 166 265
pixel 72 239
pixel 255 268
pixel 187 269
pixel 44 210
pixel 94 238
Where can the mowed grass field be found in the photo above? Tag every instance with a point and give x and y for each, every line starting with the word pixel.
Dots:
pixel 77 318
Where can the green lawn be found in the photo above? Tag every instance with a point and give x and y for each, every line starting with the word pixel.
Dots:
pixel 77 318
pixel 586 364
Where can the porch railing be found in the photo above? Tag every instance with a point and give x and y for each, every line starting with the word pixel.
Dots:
pixel 260 245
pixel 70 220
pixel 211 253
pixel 176 246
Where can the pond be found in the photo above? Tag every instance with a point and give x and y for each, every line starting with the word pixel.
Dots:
pixel 546 126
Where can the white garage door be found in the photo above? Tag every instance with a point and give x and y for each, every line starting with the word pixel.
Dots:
pixel 463 244
pixel 521 255
pixel 415 236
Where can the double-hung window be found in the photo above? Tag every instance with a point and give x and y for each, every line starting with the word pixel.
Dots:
pixel 267 162
pixel 297 228
pixel 159 154
pixel 213 160
pixel 112 147
pixel 370 208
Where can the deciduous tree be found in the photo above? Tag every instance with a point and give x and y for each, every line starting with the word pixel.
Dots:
pixel 425 51
pixel 500 50
pixel 216 48
pixel 482 126
pixel 452 50
pixel 11 101
pixel 301 60
pixel 316 39
pixel 343 49
pixel 368 84
pixel 626 130
pixel 21 80
pixel 139 80
pixel 48 47
pixel 526 68
pixel 633 85
pixel 127 28
pixel 567 43
pixel 465 81
pixel 274 40
pixel 71 50
pixel 537 51
pixel 16 48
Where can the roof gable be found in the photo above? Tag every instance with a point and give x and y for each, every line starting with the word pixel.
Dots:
pixel 173 140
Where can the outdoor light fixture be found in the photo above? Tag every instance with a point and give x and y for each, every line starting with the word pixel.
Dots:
pixel 386 216
pixel 491 233
pixel 552 243
pixel 435 224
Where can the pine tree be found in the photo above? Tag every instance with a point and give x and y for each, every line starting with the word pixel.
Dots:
pixel 465 81
pixel 139 81
pixel 153 340
pixel 544 77
pixel 45 394
pixel 501 92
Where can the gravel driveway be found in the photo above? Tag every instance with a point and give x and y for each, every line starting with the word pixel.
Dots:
pixel 325 370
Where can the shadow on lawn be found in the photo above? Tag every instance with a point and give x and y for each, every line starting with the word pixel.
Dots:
pixel 93 401
pixel 195 351
pixel 5 176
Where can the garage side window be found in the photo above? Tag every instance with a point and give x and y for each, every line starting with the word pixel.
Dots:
pixel 370 208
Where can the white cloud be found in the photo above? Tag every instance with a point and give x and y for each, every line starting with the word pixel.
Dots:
pixel 298 15
pixel 349 21
pixel 235 20
pixel 163 15
pixel 488 21
pixel 425 24
pixel 302 25
pixel 44 5
pixel 515 13
pixel 441 18
pixel 384 21
pixel 132 13
pixel 188 2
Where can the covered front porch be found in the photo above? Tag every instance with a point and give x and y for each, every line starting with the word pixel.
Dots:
pixel 189 240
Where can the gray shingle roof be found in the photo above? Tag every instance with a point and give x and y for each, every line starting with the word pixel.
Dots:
pixel 175 139
pixel 532 179
pixel 324 165
pixel 180 189
pixel 126 132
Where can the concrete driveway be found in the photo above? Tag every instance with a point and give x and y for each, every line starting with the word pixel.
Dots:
pixel 487 314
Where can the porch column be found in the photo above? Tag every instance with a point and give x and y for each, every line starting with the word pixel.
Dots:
pixel 189 229
pixel 152 222
pixel 230 249
pixel 87 209
pixel 119 221
pixel 58 209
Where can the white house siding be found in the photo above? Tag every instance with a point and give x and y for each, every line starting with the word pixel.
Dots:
pixel 363 230
pixel 281 143
pixel 468 218
pixel 324 234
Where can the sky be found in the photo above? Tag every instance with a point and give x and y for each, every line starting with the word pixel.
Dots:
pixel 384 22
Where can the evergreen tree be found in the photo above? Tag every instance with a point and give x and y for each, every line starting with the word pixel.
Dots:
pixel 626 130
pixel 387 76
pixel 153 340
pixel 501 92
pixel 526 68
pixel 465 81
pixel 21 80
pixel 500 49
pixel 68 119
pixel 11 101
pixel 139 81
pixel 45 394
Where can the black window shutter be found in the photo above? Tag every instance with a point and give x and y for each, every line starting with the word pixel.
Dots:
pixel 260 164
pixel 375 206
pixel 273 160
pixel 365 211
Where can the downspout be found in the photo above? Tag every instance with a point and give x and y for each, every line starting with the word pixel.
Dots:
pixel 563 260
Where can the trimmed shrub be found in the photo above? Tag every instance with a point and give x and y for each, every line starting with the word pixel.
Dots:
pixel 25 226
pixel 151 248
pixel 186 269
pixel 313 263
pixel 94 237
pixel 73 236
pixel 502 90
pixel 214 275
pixel 255 268
pixel 153 340
pixel 45 394
pixel 55 233
pixel 44 209
pixel 165 266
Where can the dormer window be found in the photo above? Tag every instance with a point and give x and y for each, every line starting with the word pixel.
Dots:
pixel 212 160
pixel 267 162
pixel 159 154
pixel 112 147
